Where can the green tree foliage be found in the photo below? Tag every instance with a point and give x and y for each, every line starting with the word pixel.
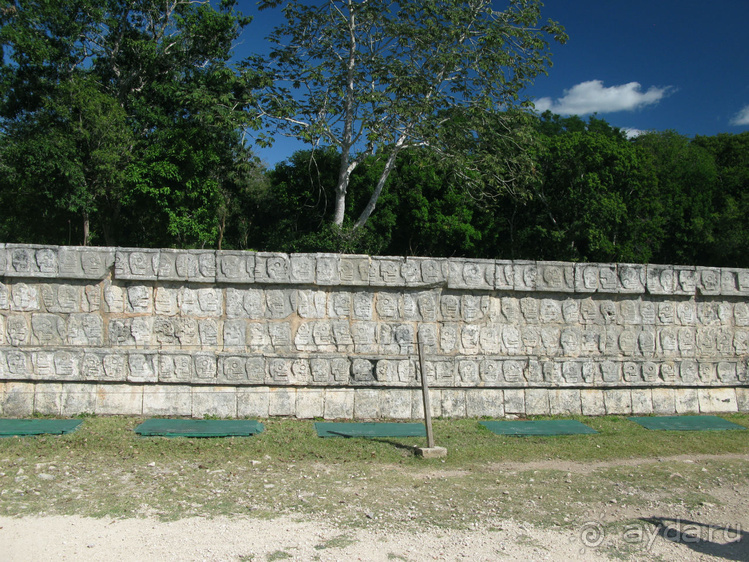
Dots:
pixel 379 77
pixel 122 119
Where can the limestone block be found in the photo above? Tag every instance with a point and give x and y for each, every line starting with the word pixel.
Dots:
pixel 504 275
pixel 196 266
pixel 272 268
pixel 327 270
pixel 417 403
pixel 366 404
pixel 253 402
pixel 353 270
pixel 281 401
pixel 136 264
pixel 743 281
pixel 555 277
pixel 310 403
pixel 27 260
pixel 686 400
pixel 85 263
pixel 660 279
pixel 235 267
pixel 119 399
pixel 48 330
pixel 537 402
pixel 142 367
pixel 4 297
pixel 617 401
pixel 525 275
pixel 708 280
pixel 85 329
pixel 717 400
pixel 397 403
pixel 314 304
pixel 742 399
pixel 219 401
pixel 514 401
pixel 563 401
pixel 586 278
pixel 386 271
pixel 471 274
pixel 18 399
pixel 3 260
pixel 302 269
pixel 729 282
pixel 686 279
pixel 592 402
pixel 642 401
pixel 339 403
pixel 664 401
pixel 631 278
pixel 24 297
pixel 482 402
pixel 78 398
pixel 167 400
pixel 48 399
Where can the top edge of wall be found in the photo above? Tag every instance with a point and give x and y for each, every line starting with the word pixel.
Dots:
pixel 331 270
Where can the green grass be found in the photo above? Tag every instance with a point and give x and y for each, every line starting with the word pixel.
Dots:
pixel 105 469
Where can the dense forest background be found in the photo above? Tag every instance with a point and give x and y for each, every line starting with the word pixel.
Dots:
pixel 137 135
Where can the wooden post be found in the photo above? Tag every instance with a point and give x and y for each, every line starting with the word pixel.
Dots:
pixel 425 395
pixel 430 451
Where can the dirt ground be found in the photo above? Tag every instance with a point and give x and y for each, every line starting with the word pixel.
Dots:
pixel 632 521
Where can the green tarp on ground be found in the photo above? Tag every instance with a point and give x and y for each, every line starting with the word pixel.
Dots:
pixel 538 427
pixel 10 427
pixel 334 429
pixel 158 427
pixel 685 423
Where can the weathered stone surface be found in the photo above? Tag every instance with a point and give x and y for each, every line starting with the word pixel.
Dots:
pixel 47 399
pixel 642 401
pixel 717 400
pixel 366 404
pixel 310 403
pixel 564 401
pixel 219 401
pixel 339 404
pixel 17 399
pixel 537 402
pixel 686 400
pixel 167 400
pixel 617 401
pixel 78 398
pixel 592 402
pixel 545 336
pixel 253 402
pixel 396 404
pixel 664 401
pixel 482 402
pixel 514 401
pixel 119 399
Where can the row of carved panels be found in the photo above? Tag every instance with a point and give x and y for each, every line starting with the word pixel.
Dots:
pixel 370 337
pixel 207 266
pixel 426 306
pixel 65 365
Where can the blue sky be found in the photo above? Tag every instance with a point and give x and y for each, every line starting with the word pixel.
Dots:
pixel 639 64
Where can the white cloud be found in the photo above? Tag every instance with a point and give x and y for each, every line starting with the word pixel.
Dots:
pixel 632 133
pixel 594 97
pixel 742 117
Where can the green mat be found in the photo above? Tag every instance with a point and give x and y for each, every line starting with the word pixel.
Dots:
pixel 333 429
pixel 685 423
pixel 538 427
pixel 37 427
pixel 198 428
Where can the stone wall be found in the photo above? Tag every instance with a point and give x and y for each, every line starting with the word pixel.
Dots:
pixel 166 332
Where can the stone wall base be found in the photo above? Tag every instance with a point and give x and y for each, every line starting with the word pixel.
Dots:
pixel 18 399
